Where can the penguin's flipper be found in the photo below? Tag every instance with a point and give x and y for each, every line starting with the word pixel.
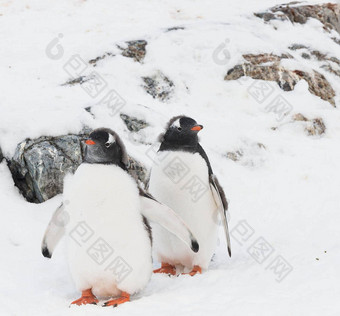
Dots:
pixel 222 206
pixel 54 231
pixel 166 217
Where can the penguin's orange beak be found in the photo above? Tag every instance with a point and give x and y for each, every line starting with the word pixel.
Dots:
pixel 89 142
pixel 197 128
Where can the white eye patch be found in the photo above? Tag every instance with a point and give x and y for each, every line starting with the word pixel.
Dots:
pixel 110 141
pixel 176 124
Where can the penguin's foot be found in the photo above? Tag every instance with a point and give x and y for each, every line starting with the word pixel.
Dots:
pixel 86 298
pixel 195 270
pixel 124 297
pixel 166 268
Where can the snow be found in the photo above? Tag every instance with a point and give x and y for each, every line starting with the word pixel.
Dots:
pixel 287 192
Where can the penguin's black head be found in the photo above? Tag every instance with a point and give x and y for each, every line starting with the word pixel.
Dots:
pixel 104 146
pixel 181 133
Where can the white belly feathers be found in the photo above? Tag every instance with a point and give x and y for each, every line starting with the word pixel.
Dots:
pixel 109 247
pixel 181 181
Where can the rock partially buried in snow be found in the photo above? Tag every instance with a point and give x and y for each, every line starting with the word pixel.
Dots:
pixel 135 50
pixel 39 166
pixel 159 86
pixel 299 118
pixel 317 127
pixel 95 60
pixel 268 67
pixel 250 154
pixel 314 127
pixel 133 124
pixel 328 14
pixel 329 63
pixel 79 80
pixel 1 155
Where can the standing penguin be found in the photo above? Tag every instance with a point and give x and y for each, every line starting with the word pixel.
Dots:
pixel 105 216
pixel 183 179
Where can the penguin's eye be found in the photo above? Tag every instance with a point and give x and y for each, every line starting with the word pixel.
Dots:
pixel 110 141
pixel 179 128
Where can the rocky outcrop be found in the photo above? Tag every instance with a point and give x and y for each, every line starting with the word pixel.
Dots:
pixel 159 86
pixel 328 14
pixel 1 155
pixel 40 165
pixel 268 67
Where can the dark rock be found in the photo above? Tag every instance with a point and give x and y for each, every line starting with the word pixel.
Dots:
pixel 79 80
pixel 305 56
pixel 257 68
pixel 175 28
pixel 132 123
pixel 94 61
pixel 159 86
pixel 135 50
pixel 1 155
pixel 297 46
pixel 336 40
pixel 328 14
pixel 39 166
pixel 266 16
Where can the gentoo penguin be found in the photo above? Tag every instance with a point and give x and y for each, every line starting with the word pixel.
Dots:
pixel 105 218
pixel 183 179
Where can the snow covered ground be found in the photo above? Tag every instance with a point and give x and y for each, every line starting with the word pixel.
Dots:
pixel 285 192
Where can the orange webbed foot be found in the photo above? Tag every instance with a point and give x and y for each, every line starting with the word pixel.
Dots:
pixel 195 270
pixel 166 268
pixel 124 297
pixel 87 297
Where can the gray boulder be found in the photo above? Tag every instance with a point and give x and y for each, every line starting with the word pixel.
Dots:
pixel 39 166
